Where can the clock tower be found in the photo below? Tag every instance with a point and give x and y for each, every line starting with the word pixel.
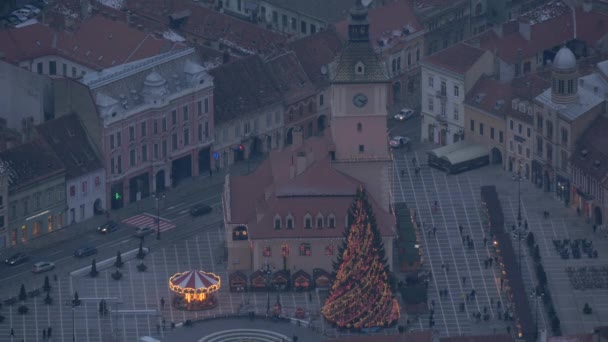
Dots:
pixel 359 96
pixel 359 90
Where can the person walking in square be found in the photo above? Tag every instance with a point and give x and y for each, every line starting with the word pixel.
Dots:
pixel 49 332
pixel 12 333
pixel 43 334
pixel 162 303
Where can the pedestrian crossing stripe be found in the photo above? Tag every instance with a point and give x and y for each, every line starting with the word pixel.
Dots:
pixel 148 220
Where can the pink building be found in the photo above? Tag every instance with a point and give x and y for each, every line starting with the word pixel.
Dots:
pixel 157 119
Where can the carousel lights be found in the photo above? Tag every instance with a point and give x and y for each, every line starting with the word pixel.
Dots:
pixel 195 294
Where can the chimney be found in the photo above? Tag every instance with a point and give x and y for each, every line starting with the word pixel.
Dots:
pixel 498 29
pixel 525 30
pixel 298 137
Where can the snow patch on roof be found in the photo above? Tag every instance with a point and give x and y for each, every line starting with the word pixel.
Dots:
pixel 116 4
pixel 545 12
pixel 173 36
pixel 27 23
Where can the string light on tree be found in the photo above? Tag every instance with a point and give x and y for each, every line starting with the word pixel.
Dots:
pixel 362 294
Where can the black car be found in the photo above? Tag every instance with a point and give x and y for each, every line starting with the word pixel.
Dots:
pixel 107 227
pixel 85 251
pixel 200 210
pixel 16 259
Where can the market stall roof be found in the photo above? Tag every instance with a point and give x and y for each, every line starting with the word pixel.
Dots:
pixel 195 280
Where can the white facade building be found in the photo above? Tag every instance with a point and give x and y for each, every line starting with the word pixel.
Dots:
pixel 446 77
pixel 85 174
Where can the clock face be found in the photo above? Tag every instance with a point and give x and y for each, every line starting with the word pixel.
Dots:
pixel 360 100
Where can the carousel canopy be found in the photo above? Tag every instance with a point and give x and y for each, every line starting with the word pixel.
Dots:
pixel 195 280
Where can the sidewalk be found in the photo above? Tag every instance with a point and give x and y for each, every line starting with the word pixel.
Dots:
pixel 185 188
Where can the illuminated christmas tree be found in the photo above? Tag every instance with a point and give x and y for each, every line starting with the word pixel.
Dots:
pixel 362 293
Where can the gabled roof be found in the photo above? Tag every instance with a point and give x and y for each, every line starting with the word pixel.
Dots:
pixel 256 199
pixel 31 162
pixel 360 52
pixel 87 45
pixel 244 37
pixel 68 138
pixel 290 77
pixel 316 53
pixel 458 58
pixel 394 21
pixel 241 87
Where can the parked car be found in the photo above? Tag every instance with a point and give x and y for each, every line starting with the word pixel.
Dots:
pixel 200 210
pixel 17 18
pixel 16 259
pixel 398 142
pixel 43 266
pixel 143 231
pixel 404 114
pixel 85 251
pixel 108 227
pixel 32 8
pixel 23 12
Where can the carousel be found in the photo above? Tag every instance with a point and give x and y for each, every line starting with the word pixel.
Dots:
pixel 194 290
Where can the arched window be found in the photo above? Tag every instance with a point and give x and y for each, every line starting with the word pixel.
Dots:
pixel 409 58
pixel 359 127
pixel 417 54
pixel 307 221
pixel 289 222
pixel 310 107
pixel 478 9
pixel 331 221
pixel 398 63
pixel 277 222
pixel 305 249
pixel 301 109
pixel 394 65
pixel 319 220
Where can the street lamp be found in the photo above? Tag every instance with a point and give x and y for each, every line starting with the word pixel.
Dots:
pixel 158 197
pixel 536 294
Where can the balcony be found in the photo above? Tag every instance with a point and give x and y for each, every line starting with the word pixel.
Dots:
pixel 442 119
pixel 442 94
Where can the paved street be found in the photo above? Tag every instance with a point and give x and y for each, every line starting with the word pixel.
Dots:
pixel 458 198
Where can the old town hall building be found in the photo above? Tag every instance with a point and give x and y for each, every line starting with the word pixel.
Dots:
pixel 285 221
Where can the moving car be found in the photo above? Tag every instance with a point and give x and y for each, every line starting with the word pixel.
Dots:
pixel 143 231
pixel 85 251
pixel 43 266
pixel 404 114
pixel 398 142
pixel 16 259
pixel 200 210
pixel 108 227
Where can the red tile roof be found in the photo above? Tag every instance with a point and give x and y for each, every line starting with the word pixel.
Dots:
pixel 394 17
pixel 486 93
pixel 458 58
pixel 317 51
pixel 595 141
pixel 546 32
pixel 116 44
pixel 206 23
pixel 255 199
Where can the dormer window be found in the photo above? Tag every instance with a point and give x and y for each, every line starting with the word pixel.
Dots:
pixel 307 221
pixel 319 220
pixel 331 221
pixel 359 68
pixel 277 222
pixel 289 222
